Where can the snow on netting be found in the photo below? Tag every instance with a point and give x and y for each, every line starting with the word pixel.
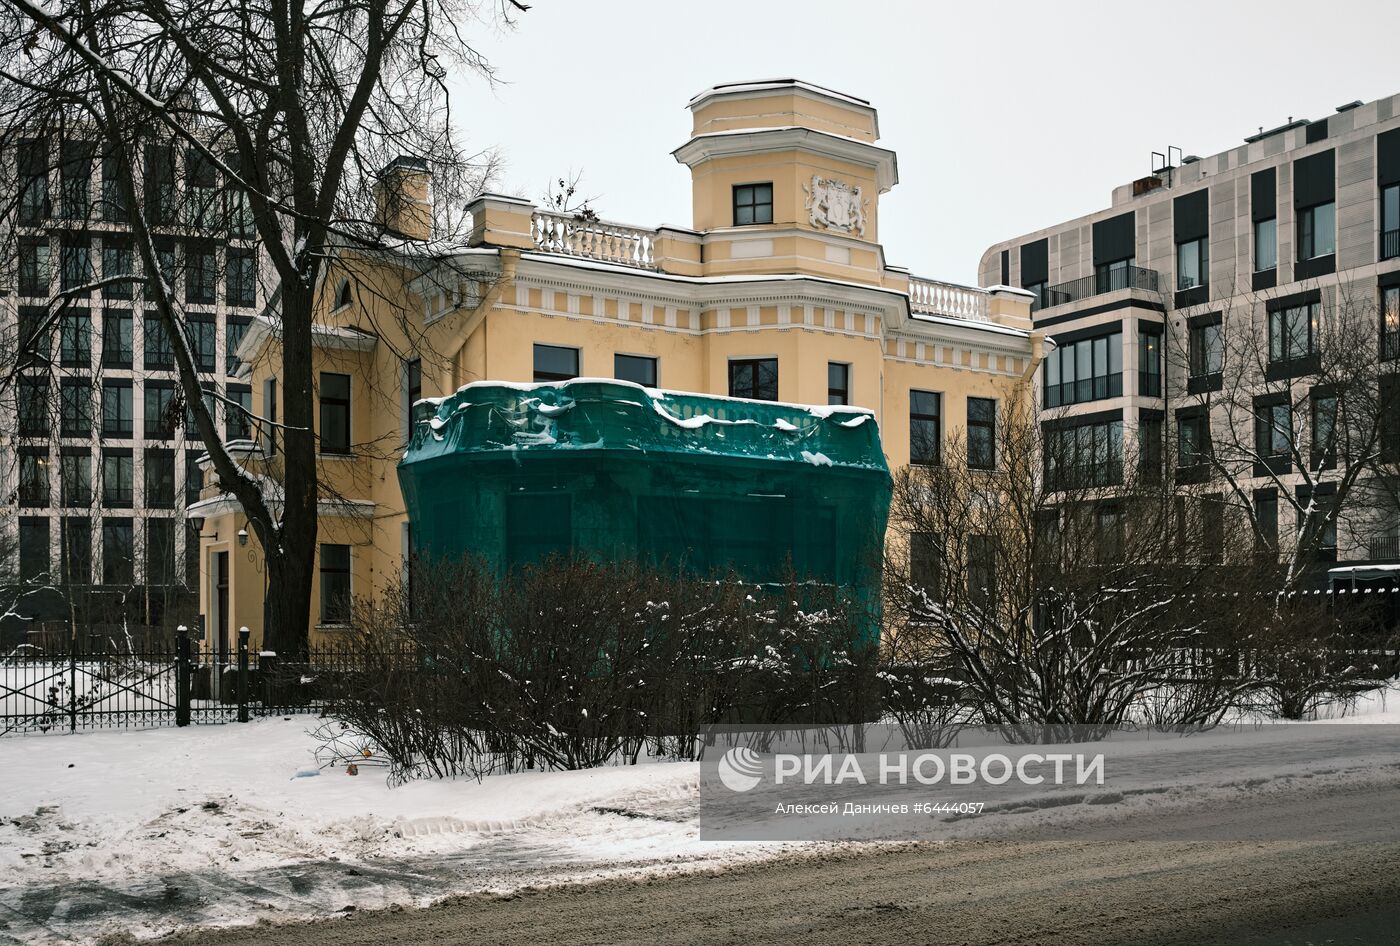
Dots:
pixel 615 471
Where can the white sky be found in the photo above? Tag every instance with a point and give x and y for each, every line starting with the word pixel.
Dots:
pixel 1006 116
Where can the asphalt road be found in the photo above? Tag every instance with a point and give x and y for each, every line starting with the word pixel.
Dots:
pixel 1340 885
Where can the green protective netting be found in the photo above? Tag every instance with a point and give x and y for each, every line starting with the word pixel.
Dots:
pixel 615 471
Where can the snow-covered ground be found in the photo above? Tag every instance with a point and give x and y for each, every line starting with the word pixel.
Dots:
pixel 97 827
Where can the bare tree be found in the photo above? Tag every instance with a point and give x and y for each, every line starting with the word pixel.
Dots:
pixel 295 108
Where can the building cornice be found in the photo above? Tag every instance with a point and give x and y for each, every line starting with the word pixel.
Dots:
pixel 723 144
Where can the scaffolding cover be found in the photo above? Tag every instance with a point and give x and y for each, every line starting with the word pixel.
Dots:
pixel 615 471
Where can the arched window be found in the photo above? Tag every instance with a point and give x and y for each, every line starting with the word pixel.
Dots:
pixel 343 296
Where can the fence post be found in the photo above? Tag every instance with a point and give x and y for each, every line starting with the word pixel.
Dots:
pixel 72 678
pixel 242 674
pixel 182 676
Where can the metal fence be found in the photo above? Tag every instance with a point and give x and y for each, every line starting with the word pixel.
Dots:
pixel 97 683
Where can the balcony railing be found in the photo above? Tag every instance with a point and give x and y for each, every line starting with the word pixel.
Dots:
pixel 1130 277
pixel 931 297
pixel 592 239
pixel 1390 244
pixel 1384 548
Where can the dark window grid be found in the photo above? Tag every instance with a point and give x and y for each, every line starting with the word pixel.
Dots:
pixel 117 342
pixel 234 331
pixel 754 378
pixel 1192 263
pixel 925 428
pixel 202 334
pixel 1149 364
pixel 1273 430
pixel 33 406
pixel 33 477
pixel 116 409
pixel 75 339
pixel 838 383
pixel 1322 443
pixel 117 480
pixel 1090 369
pixel 753 203
pixel 639 369
pixel 335 413
pixel 158 410
pixel 1390 323
pixel 555 363
pixel 158 479
pixel 1317 231
pixel 1193 440
pixel 981 433
pixel 118 552
pixel 75 478
pixel 1205 350
pixel 1390 221
pixel 194 477
pixel 238 424
pixel 201 275
pixel 1086 454
pixel 158 353
pixel 335 584
pixel 75 407
pixel 1291 332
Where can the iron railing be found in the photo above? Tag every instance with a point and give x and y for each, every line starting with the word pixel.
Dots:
pixel 1390 244
pixel 1108 280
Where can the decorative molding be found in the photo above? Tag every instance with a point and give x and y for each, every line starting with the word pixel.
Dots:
pixel 835 205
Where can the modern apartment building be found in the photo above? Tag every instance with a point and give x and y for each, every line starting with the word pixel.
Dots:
pixel 1216 272
pixel 99 461
pixel 778 291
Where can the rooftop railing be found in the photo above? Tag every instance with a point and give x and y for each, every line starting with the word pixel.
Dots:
pixel 600 240
pixel 932 297
pixel 1107 280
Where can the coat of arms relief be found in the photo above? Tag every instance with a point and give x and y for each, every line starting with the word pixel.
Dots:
pixel 835 205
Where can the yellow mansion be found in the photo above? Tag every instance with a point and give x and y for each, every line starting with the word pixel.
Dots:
pixel 781 291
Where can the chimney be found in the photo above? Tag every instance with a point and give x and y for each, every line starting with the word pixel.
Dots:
pixel 402 203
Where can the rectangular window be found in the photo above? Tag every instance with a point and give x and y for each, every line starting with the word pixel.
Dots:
pixel 75 339
pixel 117 261
pixel 1193 439
pixel 1317 522
pixel 1390 221
pixel 75 407
pixel 335 584
pixel 33 406
pixel 203 337
pixel 1149 364
pixel 158 353
pixel 194 477
pixel 1150 448
pixel 75 547
pixel 118 548
pixel 160 551
pixel 1390 323
pixel 638 369
pixel 1089 369
pixel 1266 525
pixel 201 191
pixel 753 203
pixel 755 378
pixel 117 479
pixel 76 271
pixel 555 363
pixel 33 166
pixel 1108 534
pixel 34 548
pixel 1265 245
pixel 75 476
pixel 981 433
pixel 838 383
pixel 1273 432
pixel 926 564
pixel 925 428
pixel 201 273
pixel 192 556
pixel 33 476
pixel 234 330
pixel 113 203
pixel 34 267
pixel 1317 231
pixel 1192 263
pixel 1323 452
pixel 211 407
pixel 1115 275
pixel 166 270
pixel 159 478
pixel 158 410
pixel 116 338
pixel 116 408
pixel 35 336
pixel 269 429
pixel 160 186
pixel 1205 349
pixel 335 413
pixel 75 179
pixel 1291 332
pixel 238 415
pixel 1084 454
pixel 242 288
pixel 981 569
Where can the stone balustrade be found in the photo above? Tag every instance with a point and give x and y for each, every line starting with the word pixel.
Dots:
pixel 932 297
pixel 599 240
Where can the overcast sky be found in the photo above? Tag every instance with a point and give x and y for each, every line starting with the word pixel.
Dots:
pixel 1006 116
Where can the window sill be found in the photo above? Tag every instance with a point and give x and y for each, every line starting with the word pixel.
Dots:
pixel 338 456
pixel 333 627
pixel 1202 383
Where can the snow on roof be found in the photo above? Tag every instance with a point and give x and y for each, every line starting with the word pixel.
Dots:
pixel 775 85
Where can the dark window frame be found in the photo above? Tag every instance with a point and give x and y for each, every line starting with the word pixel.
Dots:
pixel 985 429
pixel 757 388
pixel 752 204
pixel 547 375
pixel 651 363
pixel 920 415
pixel 838 386
pixel 330 404
pixel 335 599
